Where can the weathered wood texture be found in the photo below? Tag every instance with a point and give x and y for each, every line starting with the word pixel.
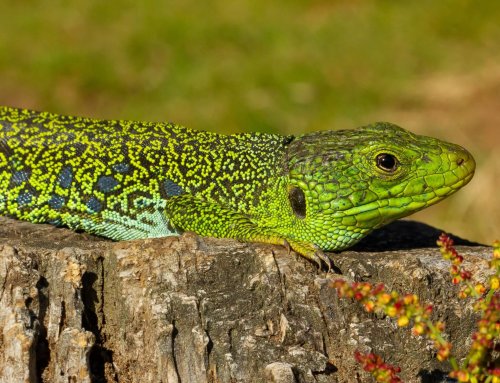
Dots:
pixel 75 308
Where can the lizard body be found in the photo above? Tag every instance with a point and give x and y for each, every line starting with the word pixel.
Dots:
pixel 129 180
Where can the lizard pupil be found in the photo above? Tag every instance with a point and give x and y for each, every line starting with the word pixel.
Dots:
pixel 387 162
pixel 298 201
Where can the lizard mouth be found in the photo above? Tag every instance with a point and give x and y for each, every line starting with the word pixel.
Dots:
pixel 392 207
pixel 459 175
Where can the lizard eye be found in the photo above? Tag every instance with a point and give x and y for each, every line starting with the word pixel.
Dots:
pixel 387 162
pixel 298 201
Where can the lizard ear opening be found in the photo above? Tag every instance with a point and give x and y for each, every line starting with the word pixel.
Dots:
pixel 297 201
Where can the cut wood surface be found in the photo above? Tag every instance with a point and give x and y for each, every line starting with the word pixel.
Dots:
pixel 77 308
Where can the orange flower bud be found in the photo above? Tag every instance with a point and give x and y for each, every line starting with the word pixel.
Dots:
pixel 479 288
pixel 384 298
pixel 418 329
pixel 369 306
pixel 403 321
pixel 462 376
pixel 494 282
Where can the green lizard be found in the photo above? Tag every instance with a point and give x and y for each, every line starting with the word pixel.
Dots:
pixel 127 180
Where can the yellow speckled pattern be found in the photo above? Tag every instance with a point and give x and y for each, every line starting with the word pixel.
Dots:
pixel 112 178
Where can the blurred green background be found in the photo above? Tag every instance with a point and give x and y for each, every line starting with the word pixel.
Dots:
pixel 278 66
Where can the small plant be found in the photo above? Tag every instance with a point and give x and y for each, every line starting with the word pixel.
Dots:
pixel 375 365
pixel 407 309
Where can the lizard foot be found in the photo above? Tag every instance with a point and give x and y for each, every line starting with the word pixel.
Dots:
pixel 313 253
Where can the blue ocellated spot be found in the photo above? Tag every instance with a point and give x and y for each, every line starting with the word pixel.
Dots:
pixel 122 167
pixel 20 176
pixel 94 205
pixel 55 221
pixel 56 202
pixel 24 198
pixel 171 188
pixel 106 183
pixel 65 177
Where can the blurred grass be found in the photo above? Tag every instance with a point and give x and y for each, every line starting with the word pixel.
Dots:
pixel 282 66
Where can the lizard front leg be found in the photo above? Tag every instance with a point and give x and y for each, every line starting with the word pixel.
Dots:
pixel 190 213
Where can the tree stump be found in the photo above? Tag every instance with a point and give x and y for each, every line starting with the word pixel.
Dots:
pixel 77 308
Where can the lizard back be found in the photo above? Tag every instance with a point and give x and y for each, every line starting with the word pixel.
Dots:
pixel 112 178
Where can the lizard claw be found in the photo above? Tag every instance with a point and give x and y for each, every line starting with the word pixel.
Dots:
pixel 287 246
pixel 322 259
pixel 311 252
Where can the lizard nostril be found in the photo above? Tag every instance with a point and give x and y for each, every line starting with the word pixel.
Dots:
pixel 460 161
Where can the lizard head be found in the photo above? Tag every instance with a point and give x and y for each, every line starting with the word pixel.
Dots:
pixel 343 184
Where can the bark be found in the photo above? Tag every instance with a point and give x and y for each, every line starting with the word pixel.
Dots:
pixel 76 308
